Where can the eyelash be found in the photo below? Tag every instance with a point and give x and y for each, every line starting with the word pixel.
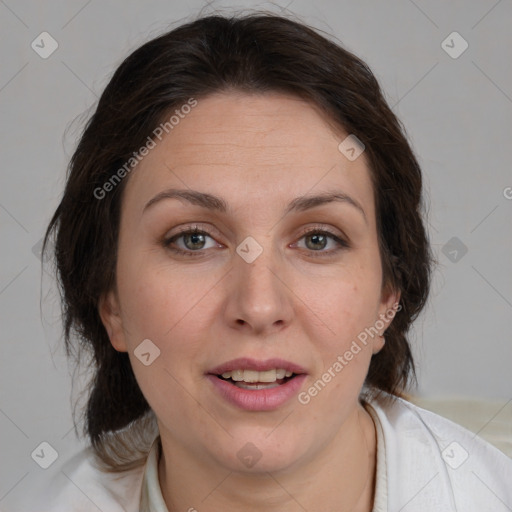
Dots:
pixel 343 244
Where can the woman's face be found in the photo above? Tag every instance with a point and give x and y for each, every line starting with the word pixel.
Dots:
pixel 283 274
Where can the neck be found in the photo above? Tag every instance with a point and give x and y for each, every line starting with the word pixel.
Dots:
pixel 341 477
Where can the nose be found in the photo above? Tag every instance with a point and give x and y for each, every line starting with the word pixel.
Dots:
pixel 259 300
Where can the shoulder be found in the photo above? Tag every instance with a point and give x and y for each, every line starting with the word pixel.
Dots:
pixel 79 485
pixel 432 460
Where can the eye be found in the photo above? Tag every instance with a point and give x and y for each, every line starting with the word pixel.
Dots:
pixel 317 240
pixel 189 241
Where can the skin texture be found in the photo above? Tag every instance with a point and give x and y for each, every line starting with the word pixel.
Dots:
pixel 301 300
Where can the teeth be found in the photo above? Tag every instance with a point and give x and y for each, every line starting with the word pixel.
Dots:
pixel 237 375
pixel 252 376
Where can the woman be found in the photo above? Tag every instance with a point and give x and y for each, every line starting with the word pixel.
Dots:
pixel 241 247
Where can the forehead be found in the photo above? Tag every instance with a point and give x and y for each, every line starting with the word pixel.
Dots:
pixel 252 149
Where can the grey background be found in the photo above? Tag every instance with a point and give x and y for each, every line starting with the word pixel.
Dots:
pixel 458 114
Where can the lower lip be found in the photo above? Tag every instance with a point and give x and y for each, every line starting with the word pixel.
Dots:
pixel 258 399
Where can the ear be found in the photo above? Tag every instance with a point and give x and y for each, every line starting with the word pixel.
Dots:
pixel 109 311
pixel 389 306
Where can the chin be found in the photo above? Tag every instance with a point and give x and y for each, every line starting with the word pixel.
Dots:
pixel 260 453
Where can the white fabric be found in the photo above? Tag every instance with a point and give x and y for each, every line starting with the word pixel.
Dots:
pixel 412 475
pixel 380 498
pixel 152 499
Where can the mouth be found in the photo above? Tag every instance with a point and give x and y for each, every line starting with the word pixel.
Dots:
pixel 257 385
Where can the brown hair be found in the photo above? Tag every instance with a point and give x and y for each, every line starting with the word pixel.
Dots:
pixel 258 52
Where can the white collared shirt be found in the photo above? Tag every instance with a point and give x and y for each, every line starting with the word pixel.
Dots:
pixel 425 463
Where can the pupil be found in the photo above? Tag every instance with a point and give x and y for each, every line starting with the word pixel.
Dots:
pixel 193 237
pixel 315 239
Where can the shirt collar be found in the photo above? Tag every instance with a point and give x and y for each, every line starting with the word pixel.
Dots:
pixel 151 495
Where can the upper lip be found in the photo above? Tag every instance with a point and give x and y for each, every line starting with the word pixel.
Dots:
pixel 246 363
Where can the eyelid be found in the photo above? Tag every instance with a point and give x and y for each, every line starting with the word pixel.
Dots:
pixel 206 229
pixel 322 227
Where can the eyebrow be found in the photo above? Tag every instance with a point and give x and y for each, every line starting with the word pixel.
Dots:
pixel 212 202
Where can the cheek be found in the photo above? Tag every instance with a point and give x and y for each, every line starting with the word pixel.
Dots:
pixel 345 353
pixel 149 300
pixel 161 304
pixel 347 306
pixel 347 303
pixel 162 308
